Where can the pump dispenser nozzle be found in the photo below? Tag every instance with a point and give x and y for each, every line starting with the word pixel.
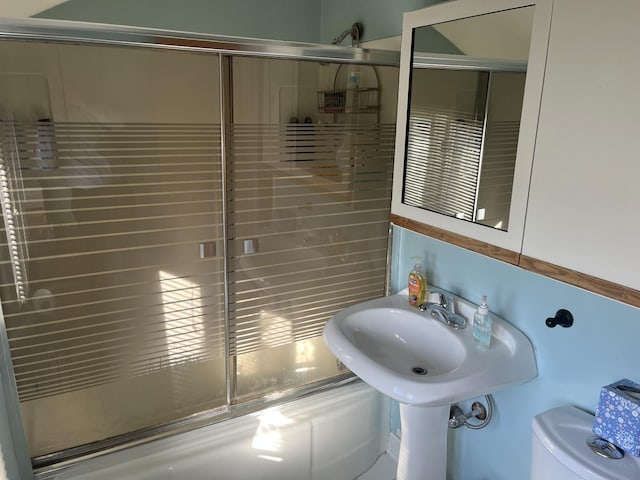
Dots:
pixel 484 308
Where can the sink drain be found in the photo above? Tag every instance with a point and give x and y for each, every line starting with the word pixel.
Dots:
pixel 419 370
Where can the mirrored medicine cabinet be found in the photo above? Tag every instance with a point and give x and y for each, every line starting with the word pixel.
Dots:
pixel 470 86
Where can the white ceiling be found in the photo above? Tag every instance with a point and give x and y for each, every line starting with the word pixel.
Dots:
pixel 23 8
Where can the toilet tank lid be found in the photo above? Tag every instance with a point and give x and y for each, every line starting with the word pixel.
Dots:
pixel 563 431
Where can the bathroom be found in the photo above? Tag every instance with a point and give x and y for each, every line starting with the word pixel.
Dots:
pixel 572 363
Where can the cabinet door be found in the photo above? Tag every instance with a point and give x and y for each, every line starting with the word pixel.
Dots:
pixel 427 129
pixel 585 194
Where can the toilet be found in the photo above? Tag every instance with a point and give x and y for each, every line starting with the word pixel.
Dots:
pixel 560 451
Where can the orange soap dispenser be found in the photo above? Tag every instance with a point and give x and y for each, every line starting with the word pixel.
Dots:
pixel 417 284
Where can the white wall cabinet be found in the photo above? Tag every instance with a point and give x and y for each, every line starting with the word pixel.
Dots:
pixel 576 192
pixel 583 209
pixel 485 17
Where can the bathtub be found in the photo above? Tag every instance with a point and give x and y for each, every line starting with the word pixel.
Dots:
pixel 333 435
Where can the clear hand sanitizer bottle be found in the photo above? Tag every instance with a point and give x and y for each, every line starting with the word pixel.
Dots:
pixel 482 325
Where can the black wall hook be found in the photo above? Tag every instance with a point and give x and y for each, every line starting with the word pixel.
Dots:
pixel 563 317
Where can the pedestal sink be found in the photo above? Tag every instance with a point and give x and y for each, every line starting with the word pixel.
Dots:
pixel 426 365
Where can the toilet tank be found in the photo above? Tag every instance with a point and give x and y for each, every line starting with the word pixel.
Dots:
pixel 560 451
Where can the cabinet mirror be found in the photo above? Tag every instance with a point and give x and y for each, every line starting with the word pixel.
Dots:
pixel 462 163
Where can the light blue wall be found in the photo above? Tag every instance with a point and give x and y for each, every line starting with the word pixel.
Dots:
pixel 573 363
pixel 296 20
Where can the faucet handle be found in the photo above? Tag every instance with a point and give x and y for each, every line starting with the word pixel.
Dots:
pixel 443 300
pixel 447 302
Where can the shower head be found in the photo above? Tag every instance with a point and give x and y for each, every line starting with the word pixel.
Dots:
pixel 356 34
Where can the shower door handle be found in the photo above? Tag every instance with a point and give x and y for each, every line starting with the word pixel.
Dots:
pixel 207 249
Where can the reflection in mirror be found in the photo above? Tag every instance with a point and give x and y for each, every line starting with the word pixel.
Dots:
pixel 464 116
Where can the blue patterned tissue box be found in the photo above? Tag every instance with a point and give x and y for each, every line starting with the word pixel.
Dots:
pixel 618 415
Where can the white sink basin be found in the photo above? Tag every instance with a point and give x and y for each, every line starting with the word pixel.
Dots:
pixel 419 360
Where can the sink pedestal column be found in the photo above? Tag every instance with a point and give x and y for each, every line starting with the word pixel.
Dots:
pixel 423 446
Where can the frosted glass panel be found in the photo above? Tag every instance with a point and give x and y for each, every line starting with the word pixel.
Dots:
pixel 286 367
pixel 462 140
pixel 446 124
pixel 309 219
pixel 113 180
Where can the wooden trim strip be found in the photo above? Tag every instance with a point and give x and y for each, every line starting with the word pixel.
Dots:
pixel 593 284
pixel 477 246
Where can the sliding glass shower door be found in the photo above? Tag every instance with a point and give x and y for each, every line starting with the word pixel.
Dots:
pixel 112 269
pixel 157 263
pixel 308 217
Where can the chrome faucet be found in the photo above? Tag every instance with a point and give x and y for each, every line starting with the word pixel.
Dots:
pixel 444 310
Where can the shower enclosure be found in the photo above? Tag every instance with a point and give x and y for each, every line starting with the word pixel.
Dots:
pixel 181 216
